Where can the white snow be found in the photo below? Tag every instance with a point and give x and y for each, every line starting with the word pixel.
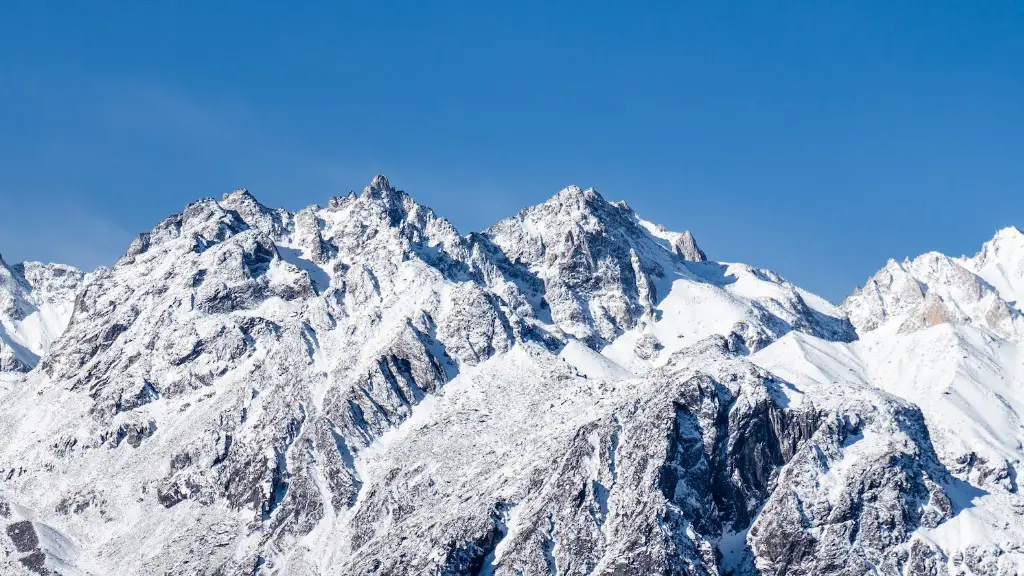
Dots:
pixel 1001 264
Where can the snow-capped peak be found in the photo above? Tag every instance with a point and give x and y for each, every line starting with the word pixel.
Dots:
pixel 681 243
pixel 379 183
pixel 575 194
pixel 607 272
pixel 1001 263
pixel 933 289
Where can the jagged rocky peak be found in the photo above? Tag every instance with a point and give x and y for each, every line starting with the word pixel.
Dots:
pixel 364 223
pixel 380 183
pixel 380 188
pixel 597 263
pixel 606 271
pixel 575 194
pixel 380 198
pixel 240 194
pixel 686 246
pixel 243 202
pixel 681 243
pixel 274 222
pixel 933 289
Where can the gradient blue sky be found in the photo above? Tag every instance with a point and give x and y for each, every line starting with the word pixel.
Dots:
pixel 814 138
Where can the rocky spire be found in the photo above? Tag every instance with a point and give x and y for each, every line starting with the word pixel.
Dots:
pixel 380 184
pixel 685 246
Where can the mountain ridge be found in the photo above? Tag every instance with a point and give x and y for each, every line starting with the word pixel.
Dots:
pixel 359 388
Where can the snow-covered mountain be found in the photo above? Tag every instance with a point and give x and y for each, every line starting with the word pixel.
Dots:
pixel 360 389
pixel 945 334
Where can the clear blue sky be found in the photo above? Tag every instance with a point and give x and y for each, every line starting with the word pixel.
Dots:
pixel 818 139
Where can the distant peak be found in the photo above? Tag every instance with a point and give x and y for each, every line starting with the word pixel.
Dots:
pixel 1008 240
pixel 575 194
pixel 1009 232
pixel 238 197
pixel 380 184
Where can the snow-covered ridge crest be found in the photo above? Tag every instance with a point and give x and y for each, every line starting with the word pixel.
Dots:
pixel 1001 263
pixel 574 266
pixel 932 289
pixel 607 272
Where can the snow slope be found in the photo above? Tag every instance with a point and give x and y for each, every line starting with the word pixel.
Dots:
pixel 944 334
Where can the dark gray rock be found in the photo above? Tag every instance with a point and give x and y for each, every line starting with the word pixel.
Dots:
pixel 23 535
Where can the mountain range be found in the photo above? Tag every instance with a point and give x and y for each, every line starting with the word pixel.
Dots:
pixel 361 389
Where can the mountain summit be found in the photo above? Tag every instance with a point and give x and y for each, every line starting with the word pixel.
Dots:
pixel 361 389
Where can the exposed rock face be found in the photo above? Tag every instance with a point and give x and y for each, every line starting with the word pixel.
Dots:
pixel 595 262
pixel 686 247
pixel 654 479
pixel 359 389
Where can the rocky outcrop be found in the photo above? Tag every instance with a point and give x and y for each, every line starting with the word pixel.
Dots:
pixel 685 246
